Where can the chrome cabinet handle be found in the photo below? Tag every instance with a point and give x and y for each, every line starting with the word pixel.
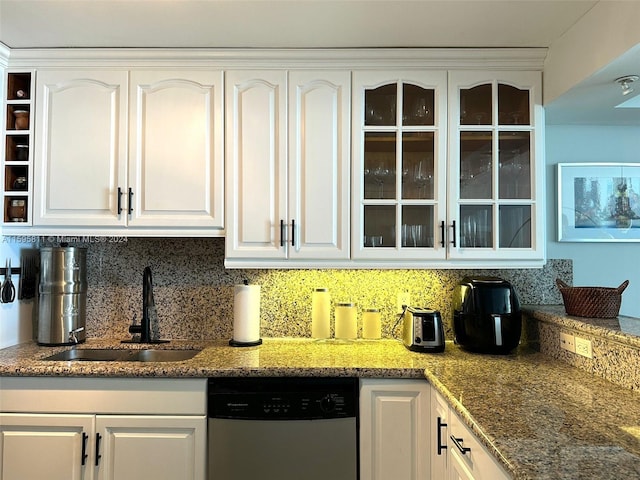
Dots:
pixel 441 447
pixel 458 443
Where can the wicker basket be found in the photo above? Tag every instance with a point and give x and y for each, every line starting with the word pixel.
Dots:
pixel 594 302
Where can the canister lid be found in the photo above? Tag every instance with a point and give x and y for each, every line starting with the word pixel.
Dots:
pixel 345 304
pixel 375 310
pixel 320 289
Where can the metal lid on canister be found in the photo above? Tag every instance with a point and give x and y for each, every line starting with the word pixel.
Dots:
pixel 345 304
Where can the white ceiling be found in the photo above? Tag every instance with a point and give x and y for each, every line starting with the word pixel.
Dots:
pixel 315 24
pixel 286 23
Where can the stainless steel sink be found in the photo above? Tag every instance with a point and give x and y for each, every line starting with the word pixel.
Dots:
pixel 123 355
pixel 152 355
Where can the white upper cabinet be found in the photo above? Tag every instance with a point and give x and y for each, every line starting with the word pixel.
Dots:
pixel 448 168
pixel 256 164
pixel 176 150
pixel 141 149
pixel 399 165
pixel 80 151
pixel 287 197
pixel 496 166
pixel 319 164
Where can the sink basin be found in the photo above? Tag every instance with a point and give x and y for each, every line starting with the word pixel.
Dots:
pixel 123 355
pixel 152 355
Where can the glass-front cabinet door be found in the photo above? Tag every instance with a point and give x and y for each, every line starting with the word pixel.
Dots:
pixel 399 145
pixel 495 161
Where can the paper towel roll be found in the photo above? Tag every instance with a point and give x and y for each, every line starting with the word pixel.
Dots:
pixel 246 313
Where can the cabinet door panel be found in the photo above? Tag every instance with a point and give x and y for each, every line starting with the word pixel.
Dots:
pixel 158 447
pixel 394 426
pixel 176 152
pixel 35 447
pixel 256 159
pixel 399 196
pixel 496 165
pixel 319 164
pixel 80 153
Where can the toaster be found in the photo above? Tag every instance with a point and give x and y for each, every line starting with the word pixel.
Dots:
pixel 422 330
pixel 486 315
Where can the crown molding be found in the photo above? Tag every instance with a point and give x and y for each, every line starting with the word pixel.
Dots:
pixel 429 58
pixel 4 55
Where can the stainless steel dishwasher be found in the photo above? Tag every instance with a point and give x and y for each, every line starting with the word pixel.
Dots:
pixel 283 428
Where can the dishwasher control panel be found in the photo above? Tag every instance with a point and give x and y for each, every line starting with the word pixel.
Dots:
pixel 289 398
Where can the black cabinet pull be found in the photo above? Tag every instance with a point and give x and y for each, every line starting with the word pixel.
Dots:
pixel 442 233
pixel 98 437
pixel 85 437
pixel 453 226
pixel 458 443
pixel 441 447
pixel 130 209
pixel 282 233
pixel 293 233
pixel 119 200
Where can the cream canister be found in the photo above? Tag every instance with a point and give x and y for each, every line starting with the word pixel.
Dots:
pixel 371 323
pixel 320 313
pixel 346 321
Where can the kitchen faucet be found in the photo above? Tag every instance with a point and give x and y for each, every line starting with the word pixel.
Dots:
pixel 144 329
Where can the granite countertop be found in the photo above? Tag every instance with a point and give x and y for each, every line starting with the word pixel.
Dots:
pixel 542 418
pixel 622 329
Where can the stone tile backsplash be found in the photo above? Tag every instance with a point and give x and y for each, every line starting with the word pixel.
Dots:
pixel 194 292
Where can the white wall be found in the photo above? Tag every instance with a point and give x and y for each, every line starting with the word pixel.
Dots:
pixel 16 317
pixel 606 32
pixel 594 264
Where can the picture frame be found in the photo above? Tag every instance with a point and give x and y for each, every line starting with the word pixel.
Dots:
pixel 598 202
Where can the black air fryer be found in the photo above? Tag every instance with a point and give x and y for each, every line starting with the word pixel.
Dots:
pixel 486 315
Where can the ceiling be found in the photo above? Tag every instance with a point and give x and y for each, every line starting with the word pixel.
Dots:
pixel 286 23
pixel 318 24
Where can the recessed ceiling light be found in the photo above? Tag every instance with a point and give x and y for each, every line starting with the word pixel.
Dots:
pixel 625 83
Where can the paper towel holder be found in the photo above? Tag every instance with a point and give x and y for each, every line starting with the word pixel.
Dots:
pixel 246 342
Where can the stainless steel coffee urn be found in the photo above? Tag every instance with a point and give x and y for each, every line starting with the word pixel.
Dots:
pixel 62 300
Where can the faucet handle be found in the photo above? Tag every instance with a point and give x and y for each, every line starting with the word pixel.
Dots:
pixel 73 334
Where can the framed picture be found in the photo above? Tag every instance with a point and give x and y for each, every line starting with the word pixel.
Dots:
pixel 599 202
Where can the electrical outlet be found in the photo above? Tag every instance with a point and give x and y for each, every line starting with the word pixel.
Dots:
pixel 583 347
pixel 403 299
pixel 567 342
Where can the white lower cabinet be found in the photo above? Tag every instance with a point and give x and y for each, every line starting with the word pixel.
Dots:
pixel 456 452
pixel 159 447
pixel 36 446
pixel 394 426
pixel 407 432
pixel 41 438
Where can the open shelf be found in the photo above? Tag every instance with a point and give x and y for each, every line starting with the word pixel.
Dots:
pixel 16 156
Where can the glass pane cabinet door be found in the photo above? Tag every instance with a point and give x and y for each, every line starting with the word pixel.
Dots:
pixel 399 157
pixel 495 209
